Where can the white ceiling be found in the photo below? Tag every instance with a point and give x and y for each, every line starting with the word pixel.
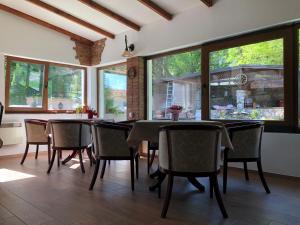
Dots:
pixel 130 9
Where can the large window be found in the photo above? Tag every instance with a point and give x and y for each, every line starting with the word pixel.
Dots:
pixel 39 86
pixel 175 80
pixel 65 87
pixel 113 92
pixel 247 82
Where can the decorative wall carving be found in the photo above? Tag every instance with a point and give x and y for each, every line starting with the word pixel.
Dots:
pixel 89 55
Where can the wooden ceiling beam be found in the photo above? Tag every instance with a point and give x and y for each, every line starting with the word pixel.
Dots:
pixel 72 18
pixel 45 24
pixel 160 11
pixel 209 3
pixel 111 14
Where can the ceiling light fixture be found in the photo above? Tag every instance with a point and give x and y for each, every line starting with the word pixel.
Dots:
pixel 128 52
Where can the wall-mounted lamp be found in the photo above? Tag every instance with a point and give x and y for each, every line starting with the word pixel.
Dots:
pixel 128 52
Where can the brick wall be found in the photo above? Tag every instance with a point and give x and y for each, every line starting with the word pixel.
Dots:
pixel 136 89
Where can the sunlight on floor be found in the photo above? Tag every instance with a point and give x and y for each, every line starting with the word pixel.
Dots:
pixel 7 175
pixel 74 166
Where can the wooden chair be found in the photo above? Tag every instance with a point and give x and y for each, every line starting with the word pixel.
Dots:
pixel 36 135
pixel 110 144
pixel 70 135
pixel 246 140
pixel 190 151
pixel 151 146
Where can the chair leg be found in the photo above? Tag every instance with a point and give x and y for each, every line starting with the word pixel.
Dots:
pixel 218 195
pixel 52 161
pixel 211 188
pixel 108 162
pixel 137 166
pixel 58 157
pixel 37 151
pixel 49 153
pixel 225 168
pixel 81 161
pixel 132 173
pixel 25 154
pixel 246 171
pixel 95 174
pixel 148 159
pixel 103 169
pixel 262 178
pixel 168 196
pixel 152 158
pixel 89 153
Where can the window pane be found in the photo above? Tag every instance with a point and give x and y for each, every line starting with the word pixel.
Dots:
pixel 26 85
pixel 65 88
pixel 113 95
pixel 175 80
pixel 246 82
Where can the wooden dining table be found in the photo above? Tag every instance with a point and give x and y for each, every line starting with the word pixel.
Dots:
pixel 148 130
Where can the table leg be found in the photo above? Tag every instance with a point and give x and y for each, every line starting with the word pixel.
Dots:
pixel 161 178
pixel 196 184
pixel 74 153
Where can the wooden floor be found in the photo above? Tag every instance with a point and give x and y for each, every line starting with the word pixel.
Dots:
pixel 63 198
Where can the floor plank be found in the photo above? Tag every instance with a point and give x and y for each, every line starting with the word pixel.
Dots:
pixel 63 198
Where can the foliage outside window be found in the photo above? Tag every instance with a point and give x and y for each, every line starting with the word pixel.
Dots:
pixel 65 88
pixel 26 84
pixel 41 86
pixel 247 82
pixel 175 79
pixel 113 92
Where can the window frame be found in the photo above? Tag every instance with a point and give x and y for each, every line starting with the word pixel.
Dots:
pixel 44 108
pixel 98 81
pixel 164 54
pixel 290 35
pixel 285 33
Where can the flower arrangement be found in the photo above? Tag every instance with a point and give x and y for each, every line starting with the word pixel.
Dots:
pixel 175 110
pixel 86 109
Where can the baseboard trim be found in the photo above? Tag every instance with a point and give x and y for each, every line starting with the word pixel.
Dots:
pixel 293 178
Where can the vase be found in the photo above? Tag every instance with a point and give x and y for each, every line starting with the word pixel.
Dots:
pixel 90 115
pixel 175 115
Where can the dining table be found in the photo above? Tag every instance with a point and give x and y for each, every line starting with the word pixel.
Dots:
pixel 148 130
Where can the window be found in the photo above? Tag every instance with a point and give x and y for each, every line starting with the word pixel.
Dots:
pixel 65 88
pixel 37 86
pixel 175 80
pixel 298 77
pixel 247 82
pixel 113 92
pixel 26 84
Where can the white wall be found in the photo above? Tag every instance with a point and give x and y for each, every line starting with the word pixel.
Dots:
pixel 199 25
pixel 23 38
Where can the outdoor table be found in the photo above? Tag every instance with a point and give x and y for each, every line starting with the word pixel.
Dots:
pixel 148 130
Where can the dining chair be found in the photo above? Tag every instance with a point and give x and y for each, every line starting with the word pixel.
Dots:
pixel 36 135
pixel 110 142
pixel 69 135
pixel 246 140
pixel 152 147
pixel 190 151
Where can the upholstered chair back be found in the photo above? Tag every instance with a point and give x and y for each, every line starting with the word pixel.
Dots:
pixel 36 131
pixel 110 140
pixel 190 148
pixel 246 141
pixel 70 134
